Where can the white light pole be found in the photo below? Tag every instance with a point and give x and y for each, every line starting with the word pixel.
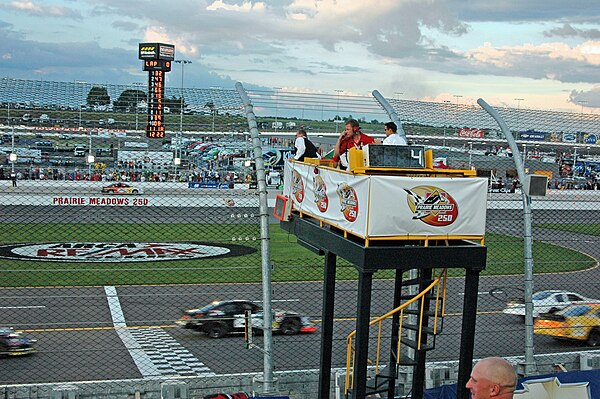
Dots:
pixel 276 105
pixel 337 109
pixel 176 162
pixel 398 94
pixel 470 153
pixel 81 84
pixel 90 157
pixel 582 102
pixel 446 102
pixel 177 144
pixel 518 100
pixel 137 87
pixel 13 156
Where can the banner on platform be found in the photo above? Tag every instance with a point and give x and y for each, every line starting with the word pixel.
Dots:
pixel 387 206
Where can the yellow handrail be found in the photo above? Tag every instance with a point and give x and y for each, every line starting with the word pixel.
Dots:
pixel 351 353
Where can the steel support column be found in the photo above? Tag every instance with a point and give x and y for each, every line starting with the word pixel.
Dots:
pixel 327 324
pixel 393 367
pixel 467 338
pixel 418 387
pixel 365 281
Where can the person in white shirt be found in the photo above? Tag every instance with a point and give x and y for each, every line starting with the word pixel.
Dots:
pixel 304 147
pixel 392 136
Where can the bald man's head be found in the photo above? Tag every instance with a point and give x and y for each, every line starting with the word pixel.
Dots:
pixel 498 371
pixel 492 377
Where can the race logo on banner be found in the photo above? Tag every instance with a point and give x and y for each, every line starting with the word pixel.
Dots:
pixel 321 194
pixel 432 205
pixel 348 201
pixel 297 186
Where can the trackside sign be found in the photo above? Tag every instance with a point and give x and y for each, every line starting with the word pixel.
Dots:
pixel 120 252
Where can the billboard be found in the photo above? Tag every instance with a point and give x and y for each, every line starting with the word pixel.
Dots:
pixel 589 138
pixel 470 132
pixel 532 135
pixel 156 51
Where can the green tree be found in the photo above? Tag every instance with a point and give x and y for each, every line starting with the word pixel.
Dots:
pixel 98 96
pixel 129 100
pixel 174 103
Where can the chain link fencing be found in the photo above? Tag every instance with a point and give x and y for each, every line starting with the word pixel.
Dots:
pixel 100 257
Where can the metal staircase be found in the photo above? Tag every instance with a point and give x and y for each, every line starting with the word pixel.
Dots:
pixel 415 324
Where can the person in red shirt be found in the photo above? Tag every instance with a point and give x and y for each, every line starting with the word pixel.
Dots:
pixel 351 137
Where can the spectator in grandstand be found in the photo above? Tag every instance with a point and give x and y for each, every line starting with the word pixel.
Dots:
pixel 492 377
pixel 351 137
pixel 304 147
pixel 391 135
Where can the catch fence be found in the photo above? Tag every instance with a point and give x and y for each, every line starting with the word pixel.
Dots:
pixel 99 275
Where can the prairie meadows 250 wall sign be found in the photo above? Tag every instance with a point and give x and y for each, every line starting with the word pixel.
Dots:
pixel 121 252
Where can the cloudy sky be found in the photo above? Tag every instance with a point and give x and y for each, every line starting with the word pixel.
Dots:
pixel 528 53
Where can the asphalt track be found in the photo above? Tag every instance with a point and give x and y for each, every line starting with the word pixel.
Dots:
pixel 81 332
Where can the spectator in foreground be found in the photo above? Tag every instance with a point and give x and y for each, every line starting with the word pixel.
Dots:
pixel 492 377
pixel 391 135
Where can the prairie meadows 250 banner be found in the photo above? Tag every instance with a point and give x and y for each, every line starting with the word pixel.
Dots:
pixel 427 206
pixel 383 206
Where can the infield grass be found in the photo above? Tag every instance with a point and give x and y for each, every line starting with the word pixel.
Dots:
pixel 291 262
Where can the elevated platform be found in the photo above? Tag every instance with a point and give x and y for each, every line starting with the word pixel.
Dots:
pixel 403 216
pixel 450 252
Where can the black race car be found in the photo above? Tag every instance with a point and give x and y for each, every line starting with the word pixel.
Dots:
pixel 222 317
pixel 13 343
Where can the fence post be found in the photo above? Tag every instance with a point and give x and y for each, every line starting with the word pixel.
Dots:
pixel 268 381
pixel 530 366
pixel 391 113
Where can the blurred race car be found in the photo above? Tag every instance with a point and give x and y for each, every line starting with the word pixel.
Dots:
pixel 577 322
pixel 14 343
pixel 220 318
pixel 548 301
pixel 121 188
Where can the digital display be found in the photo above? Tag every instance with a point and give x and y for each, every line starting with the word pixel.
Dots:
pixel 156 89
pixel 393 156
pixel 157 59
pixel 157 65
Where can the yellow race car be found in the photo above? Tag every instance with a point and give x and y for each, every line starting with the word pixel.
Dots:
pixel 579 322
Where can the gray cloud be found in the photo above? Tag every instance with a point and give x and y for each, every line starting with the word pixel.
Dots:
pixel 590 98
pixel 264 37
pixel 530 10
pixel 126 26
pixel 569 31
pixel 39 9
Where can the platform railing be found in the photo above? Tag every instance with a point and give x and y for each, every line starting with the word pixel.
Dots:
pixel 439 285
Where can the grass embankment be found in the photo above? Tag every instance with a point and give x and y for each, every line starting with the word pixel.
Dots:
pixel 291 261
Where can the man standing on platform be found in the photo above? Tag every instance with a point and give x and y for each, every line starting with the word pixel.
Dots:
pixel 392 136
pixel 351 137
pixel 304 147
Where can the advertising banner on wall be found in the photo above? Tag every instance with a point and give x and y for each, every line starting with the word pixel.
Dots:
pixel 531 135
pixel 387 206
pixel 589 138
pixel 569 137
pixel 470 132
